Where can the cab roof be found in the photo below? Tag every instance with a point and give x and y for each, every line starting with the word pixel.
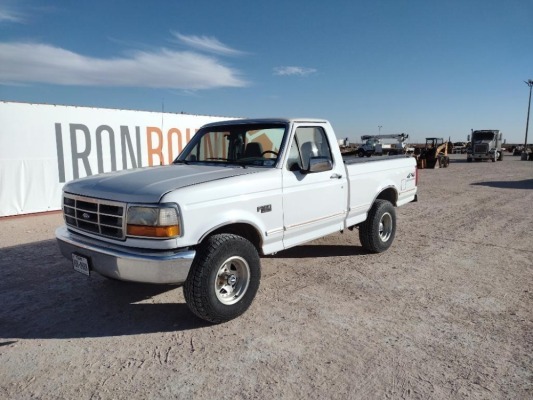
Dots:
pixel 246 121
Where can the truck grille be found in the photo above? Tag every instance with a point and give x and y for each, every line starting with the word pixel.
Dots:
pixel 100 217
pixel 481 148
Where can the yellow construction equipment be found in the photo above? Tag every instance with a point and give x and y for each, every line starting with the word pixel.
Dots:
pixel 434 155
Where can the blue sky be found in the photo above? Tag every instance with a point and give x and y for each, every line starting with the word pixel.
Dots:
pixel 426 68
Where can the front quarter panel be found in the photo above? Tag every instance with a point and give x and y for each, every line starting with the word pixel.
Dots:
pixel 253 199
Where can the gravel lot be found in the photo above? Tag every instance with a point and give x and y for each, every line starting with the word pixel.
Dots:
pixel 446 312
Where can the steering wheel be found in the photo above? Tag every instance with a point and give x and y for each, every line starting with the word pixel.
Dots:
pixel 269 151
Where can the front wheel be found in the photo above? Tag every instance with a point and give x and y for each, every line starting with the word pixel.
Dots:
pixel 377 232
pixel 223 279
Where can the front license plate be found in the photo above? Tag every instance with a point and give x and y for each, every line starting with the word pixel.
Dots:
pixel 80 264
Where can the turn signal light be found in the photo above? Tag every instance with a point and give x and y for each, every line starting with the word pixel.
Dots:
pixel 154 231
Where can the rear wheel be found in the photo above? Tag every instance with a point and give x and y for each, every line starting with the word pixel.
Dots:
pixel 224 278
pixel 377 232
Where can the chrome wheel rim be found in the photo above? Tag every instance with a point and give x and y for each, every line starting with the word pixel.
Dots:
pixel 232 280
pixel 385 227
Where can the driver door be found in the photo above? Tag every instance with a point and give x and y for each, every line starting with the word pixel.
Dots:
pixel 314 203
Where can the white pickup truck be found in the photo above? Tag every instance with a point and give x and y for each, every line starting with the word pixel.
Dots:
pixel 239 189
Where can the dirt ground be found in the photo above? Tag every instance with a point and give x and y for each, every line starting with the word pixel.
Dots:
pixel 445 313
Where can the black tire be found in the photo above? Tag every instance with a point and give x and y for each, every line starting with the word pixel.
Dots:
pixel 446 161
pixel 377 232
pixel 468 159
pixel 223 279
pixel 500 157
pixel 361 153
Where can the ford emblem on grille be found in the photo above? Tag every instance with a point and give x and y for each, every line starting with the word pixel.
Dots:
pixel 86 216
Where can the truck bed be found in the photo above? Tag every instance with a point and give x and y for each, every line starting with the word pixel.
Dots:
pixel 355 159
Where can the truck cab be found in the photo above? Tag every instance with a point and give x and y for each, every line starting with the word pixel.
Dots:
pixel 486 145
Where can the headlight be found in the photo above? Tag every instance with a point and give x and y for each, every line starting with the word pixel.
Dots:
pixel 158 222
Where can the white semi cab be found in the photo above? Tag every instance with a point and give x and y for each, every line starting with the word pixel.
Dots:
pixel 238 190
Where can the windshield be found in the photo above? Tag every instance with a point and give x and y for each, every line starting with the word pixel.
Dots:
pixel 242 144
pixel 482 135
pixel 432 142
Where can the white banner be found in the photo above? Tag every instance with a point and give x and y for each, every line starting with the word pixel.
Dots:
pixel 43 146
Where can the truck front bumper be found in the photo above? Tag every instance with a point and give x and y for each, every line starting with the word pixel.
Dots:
pixel 125 264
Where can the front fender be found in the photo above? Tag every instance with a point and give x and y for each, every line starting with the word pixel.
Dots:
pixel 255 202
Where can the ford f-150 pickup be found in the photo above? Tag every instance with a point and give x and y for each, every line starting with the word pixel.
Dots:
pixel 238 190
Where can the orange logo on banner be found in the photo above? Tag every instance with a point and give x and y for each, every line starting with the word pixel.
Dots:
pixel 155 142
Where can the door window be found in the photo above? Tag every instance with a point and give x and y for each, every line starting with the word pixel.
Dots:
pixel 308 142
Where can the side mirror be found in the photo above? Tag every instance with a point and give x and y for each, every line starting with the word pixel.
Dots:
pixel 318 164
pixel 468 138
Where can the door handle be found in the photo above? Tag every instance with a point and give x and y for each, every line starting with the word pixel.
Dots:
pixel 336 176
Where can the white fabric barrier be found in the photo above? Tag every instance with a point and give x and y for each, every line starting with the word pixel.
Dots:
pixel 43 146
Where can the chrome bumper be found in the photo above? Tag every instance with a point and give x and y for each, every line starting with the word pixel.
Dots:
pixel 125 264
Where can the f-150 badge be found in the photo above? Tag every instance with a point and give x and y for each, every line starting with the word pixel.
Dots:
pixel 264 209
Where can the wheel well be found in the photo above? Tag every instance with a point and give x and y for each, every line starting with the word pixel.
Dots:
pixel 244 230
pixel 388 194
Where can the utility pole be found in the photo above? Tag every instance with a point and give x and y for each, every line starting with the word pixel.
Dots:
pixel 379 129
pixel 530 84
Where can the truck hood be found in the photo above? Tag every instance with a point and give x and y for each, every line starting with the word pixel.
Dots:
pixel 149 184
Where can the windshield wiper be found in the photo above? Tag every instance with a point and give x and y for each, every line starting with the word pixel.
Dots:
pixel 242 164
pixel 219 160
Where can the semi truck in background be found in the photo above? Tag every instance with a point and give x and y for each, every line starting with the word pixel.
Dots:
pixel 486 145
